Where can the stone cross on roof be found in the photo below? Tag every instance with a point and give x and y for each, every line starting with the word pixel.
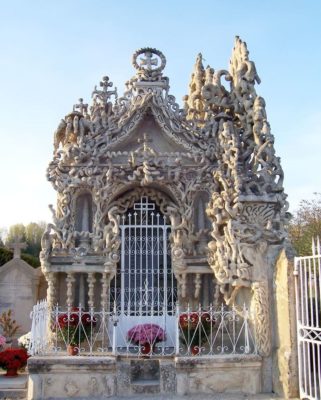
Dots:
pixel 81 106
pixel 148 61
pixel 17 246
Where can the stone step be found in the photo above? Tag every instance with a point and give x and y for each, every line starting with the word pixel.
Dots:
pixel 214 396
pixel 13 387
pixel 12 394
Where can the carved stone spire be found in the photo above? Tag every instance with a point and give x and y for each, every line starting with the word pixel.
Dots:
pixel 195 101
pixel 242 70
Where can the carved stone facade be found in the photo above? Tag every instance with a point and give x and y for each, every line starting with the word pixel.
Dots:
pixel 210 168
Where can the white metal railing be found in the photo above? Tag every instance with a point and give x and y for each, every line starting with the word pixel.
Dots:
pixel 39 328
pixel 204 331
pixel 308 305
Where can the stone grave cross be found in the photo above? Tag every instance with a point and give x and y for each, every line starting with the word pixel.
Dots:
pixel 17 246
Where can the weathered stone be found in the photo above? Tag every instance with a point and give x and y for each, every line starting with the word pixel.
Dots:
pixel 19 290
pixel 77 377
pixel 285 362
pixel 218 375
pixel 212 172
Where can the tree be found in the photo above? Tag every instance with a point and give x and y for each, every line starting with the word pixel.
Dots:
pixel 17 230
pixel 7 255
pixel 31 234
pixel 305 225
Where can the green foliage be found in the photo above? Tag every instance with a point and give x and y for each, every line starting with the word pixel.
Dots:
pixel 17 230
pixel 305 225
pixel 31 234
pixel 31 260
pixel 6 255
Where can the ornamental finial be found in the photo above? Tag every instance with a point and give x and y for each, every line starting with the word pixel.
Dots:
pixel 149 63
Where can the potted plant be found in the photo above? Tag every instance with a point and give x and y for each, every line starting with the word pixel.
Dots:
pixel 9 326
pixel 24 340
pixel 194 329
pixel 73 327
pixel 13 359
pixel 146 336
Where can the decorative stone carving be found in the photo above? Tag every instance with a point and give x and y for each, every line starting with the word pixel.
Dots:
pixel 143 144
pixel 260 309
pixel 71 388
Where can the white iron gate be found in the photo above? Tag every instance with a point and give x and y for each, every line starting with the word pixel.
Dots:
pixel 144 288
pixel 308 305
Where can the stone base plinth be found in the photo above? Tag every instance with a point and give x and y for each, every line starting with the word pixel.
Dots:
pixel 13 387
pixel 228 374
pixel 102 377
pixel 76 377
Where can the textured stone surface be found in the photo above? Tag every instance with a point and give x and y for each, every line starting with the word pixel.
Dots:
pixel 285 377
pixel 13 388
pixel 210 375
pixel 59 378
pixel 19 287
pixel 168 376
pixel 212 170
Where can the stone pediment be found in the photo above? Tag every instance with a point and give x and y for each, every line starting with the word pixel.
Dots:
pixel 159 141
pixel 18 269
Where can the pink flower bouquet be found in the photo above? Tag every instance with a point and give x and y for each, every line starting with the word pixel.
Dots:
pixel 2 340
pixel 146 334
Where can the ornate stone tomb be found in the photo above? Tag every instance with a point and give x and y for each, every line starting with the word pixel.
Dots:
pixel 158 205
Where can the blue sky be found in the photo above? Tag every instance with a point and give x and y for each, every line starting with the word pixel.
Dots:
pixel 53 52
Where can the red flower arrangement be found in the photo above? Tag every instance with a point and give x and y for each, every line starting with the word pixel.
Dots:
pixel 11 359
pixel 74 326
pixel 194 327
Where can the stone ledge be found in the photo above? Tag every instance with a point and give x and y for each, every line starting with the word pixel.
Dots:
pixel 11 394
pixel 210 375
pixel 219 362
pixel 50 364
pixel 17 382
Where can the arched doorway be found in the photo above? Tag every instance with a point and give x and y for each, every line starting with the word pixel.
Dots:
pixel 144 289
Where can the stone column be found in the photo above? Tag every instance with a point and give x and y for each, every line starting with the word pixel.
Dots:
pixel 104 291
pixel 70 279
pixel 91 284
pixel 285 354
pixel 51 291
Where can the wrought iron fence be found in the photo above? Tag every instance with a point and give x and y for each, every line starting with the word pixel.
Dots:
pixel 308 305
pixel 196 332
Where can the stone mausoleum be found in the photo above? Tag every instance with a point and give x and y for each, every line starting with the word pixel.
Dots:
pixel 163 211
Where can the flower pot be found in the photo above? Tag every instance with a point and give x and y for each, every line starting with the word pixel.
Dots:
pixel 146 349
pixel 11 372
pixel 72 350
pixel 7 345
pixel 195 350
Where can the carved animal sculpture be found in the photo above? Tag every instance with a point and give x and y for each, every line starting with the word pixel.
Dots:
pixel 59 135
